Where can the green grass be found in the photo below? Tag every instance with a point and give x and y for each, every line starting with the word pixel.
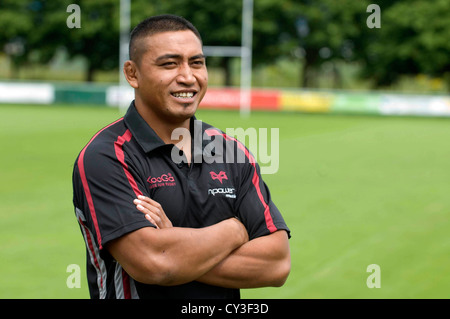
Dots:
pixel 354 190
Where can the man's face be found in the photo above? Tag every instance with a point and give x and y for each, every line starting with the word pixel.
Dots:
pixel 171 75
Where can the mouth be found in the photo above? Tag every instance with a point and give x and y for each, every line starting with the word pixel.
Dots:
pixel 184 95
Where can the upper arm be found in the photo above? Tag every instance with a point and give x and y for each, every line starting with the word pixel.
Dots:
pixel 104 195
pixel 277 253
pixel 273 247
pixel 267 258
pixel 176 255
pixel 254 204
pixel 137 257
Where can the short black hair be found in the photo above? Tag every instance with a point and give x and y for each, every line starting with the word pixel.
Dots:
pixel 156 24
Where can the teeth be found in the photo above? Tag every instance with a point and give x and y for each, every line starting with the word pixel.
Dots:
pixel 184 95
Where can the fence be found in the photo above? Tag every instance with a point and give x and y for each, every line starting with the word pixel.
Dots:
pixel 229 98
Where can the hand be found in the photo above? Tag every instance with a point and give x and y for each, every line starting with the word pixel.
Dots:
pixel 153 212
pixel 241 230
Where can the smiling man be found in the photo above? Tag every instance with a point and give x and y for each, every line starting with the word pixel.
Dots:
pixel 156 228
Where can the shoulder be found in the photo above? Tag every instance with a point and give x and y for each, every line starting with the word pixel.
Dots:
pixel 227 147
pixel 102 143
pixel 228 136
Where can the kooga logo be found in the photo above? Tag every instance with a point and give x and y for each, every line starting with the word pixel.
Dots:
pixel 163 178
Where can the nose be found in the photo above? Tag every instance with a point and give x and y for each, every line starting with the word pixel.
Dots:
pixel 185 75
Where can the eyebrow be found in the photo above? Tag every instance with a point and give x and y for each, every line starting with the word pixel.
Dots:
pixel 178 56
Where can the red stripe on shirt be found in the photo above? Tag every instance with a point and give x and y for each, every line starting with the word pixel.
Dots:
pixel 92 250
pixel 118 146
pixel 255 179
pixel 87 191
pixel 126 285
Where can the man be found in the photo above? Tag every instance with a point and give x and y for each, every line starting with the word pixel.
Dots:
pixel 156 227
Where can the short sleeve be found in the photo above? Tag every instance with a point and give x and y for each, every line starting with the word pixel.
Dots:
pixel 255 207
pixel 105 183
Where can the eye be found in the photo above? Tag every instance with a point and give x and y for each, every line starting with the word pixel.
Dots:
pixel 198 63
pixel 168 64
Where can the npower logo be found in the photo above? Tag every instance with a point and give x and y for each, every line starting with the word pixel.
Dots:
pixel 227 191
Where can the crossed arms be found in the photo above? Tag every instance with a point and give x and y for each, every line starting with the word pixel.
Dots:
pixel 219 255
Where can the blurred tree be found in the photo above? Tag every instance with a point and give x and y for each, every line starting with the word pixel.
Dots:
pixel 414 38
pixel 326 31
pixel 219 22
pixel 313 31
pixel 15 26
pixel 98 39
pixel 39 28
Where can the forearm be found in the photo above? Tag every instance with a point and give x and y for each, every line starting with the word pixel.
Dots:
pixel 261 262
pixel 174 256
pixel 264 261
pixel 193 252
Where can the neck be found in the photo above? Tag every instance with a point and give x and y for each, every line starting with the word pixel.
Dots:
pixel 163 128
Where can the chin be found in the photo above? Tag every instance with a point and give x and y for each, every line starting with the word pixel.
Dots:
pixel 189 109
pixel 184 113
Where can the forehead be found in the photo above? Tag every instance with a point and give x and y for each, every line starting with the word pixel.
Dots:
pixel 172 42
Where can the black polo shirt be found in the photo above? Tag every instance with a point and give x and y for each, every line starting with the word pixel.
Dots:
pixel 126 159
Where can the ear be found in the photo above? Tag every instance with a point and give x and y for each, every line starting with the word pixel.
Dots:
pixel 130 71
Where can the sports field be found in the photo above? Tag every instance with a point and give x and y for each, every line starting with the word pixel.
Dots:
pixel 354 190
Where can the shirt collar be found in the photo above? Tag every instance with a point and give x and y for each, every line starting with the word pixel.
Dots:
pixel 142 132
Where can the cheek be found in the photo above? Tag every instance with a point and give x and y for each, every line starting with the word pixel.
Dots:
pixel 203 78
pixel 154 85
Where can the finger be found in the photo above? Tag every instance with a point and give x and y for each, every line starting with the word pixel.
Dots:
pixel 151 216
pixel 157 210
pixel 151 205
pixel 148 215
pixel 150 201
pixel 150 219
